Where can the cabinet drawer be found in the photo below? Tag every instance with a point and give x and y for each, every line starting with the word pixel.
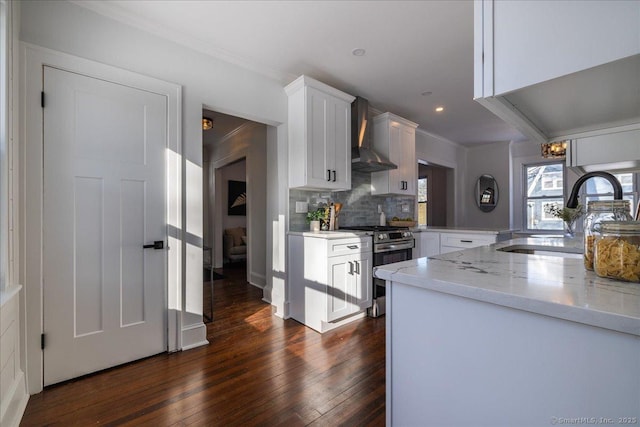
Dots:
pixel 349 246
pixel 463 241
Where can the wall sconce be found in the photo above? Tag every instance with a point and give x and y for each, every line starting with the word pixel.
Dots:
pixel 207 123
pixel 554 150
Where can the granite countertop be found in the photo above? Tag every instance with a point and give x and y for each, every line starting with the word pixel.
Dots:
pixel 554 286
pixel 473 230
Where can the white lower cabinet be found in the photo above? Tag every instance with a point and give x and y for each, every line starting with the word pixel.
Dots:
pixel 450 242
pixel 330 279
pixel 433 243
pixel 429 243
pixel 349 285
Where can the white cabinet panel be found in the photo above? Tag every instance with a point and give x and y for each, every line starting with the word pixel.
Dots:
pixel 395 138
pixel 553 69
pixel 349 285
pixel 330 280
pixel 319 136
pixel 429 243
pixel 618 151
pixel 538 41
pixel 441 242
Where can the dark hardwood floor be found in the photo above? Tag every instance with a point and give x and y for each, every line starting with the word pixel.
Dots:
pixel 258 370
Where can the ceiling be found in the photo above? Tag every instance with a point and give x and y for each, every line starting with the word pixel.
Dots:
pixel 412 48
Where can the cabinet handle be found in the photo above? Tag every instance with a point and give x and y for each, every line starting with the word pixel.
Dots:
pixel 350 268
pixel 328 175
pixel 334 176
pixel 352 246
pixel 357 267
pixel 466 241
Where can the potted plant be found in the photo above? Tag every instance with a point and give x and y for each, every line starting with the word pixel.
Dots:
pixel 568 215
pixel 314 218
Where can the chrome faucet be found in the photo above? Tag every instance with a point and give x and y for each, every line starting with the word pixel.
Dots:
pixel 572 201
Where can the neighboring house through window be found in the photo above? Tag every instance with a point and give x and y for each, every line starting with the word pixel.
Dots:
pixel 600 189
pixel 544 185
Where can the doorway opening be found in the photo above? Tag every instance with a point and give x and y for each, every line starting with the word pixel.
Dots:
pixel 234 202
pixel 435 195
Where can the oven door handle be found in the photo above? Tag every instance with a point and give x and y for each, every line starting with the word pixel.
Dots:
pixel 393 247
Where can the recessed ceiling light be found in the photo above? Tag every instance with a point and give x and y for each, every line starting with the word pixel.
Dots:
pixel 439 109
pixel 427 93
pixel 358 51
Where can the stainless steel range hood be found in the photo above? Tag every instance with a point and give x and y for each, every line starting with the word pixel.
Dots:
pixel 363 157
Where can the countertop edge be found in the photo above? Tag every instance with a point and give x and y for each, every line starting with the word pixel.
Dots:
pixel 328 235
pixel 403 272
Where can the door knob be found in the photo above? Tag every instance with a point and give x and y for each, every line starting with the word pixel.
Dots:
pixel 158 244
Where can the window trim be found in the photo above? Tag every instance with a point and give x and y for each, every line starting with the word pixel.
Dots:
pixel 5 99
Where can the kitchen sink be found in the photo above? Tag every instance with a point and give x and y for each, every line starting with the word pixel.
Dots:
pixel 562 252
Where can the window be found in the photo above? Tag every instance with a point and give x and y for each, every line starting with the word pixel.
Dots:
pixel 422 201
pixel 544 185
pixel 600 189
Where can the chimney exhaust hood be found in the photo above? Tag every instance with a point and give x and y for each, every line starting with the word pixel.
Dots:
pixel 363 157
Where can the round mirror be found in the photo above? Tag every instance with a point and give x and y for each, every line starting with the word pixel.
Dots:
pixel 486 193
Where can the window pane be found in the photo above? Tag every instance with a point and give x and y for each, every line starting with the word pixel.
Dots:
pixel 422 213
pixel 597 185
pixel 545 180
pixel 538 219
pixel 422 190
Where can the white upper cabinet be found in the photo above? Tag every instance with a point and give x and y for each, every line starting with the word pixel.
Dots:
pixel 619 151
pixel 319 136
pixel 557 68
pixel 395 138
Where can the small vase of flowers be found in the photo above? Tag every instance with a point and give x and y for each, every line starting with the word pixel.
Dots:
pixel 568 215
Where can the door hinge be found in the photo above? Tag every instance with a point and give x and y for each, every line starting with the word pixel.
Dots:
pixel 42 99
pixel 42 341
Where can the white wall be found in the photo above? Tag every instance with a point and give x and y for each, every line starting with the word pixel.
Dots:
pixel 68 28
pixel 490 159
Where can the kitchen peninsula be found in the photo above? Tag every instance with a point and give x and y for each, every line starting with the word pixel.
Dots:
pixel 490 336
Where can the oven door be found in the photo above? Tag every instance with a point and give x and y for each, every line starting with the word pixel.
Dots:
pixel 395 252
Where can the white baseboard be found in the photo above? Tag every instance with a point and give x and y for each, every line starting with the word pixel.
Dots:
pixel 194 336
pixel 258 280
pixel 16 399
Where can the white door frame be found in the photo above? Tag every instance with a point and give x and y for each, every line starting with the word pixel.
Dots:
pixel 33 58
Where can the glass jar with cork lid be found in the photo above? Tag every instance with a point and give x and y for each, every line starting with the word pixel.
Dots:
pixel 617 250
pixel 597 212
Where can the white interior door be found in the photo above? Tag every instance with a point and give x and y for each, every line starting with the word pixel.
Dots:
pixel 104 296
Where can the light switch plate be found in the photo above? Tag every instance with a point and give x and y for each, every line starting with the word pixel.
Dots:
pixel 302 207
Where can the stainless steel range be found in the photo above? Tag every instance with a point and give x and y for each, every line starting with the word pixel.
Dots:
pixel 390 244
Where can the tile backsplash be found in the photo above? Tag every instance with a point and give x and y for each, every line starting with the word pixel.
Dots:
pixel 359 207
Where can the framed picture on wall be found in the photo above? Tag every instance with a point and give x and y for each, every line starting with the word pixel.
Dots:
pixel 237 194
